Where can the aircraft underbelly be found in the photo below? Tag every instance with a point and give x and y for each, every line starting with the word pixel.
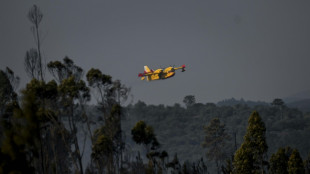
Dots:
pixel 155 77
pixel 170 74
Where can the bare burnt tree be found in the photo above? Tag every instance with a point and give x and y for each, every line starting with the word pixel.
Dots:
pixel 33 60
pixel 32 64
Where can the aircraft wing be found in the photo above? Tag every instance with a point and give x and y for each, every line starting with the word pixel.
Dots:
pixel 145 74
pixel 181 67
pixel 149 73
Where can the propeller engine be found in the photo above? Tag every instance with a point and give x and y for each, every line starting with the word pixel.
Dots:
pixel 183 68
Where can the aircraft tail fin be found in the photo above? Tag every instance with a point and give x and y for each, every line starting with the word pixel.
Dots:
pixel 147 69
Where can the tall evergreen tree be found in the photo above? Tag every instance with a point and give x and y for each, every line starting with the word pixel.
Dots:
pixel 250 157
pixel 295 163
pixel 278 162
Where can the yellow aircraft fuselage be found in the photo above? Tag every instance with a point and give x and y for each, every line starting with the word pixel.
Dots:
pixel 159 74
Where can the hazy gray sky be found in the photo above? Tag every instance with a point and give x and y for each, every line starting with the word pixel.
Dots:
pixel 258 50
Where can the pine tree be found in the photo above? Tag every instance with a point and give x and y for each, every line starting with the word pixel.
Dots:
pixel 295 164
pixel 278 162
pixel 250 157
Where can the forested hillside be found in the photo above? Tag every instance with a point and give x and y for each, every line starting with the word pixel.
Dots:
pixel 181 129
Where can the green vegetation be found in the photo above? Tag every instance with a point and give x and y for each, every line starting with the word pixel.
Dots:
pixel 181 130
pixel 250 157
pixel 295 164
pixel 49 126
pixel 278 161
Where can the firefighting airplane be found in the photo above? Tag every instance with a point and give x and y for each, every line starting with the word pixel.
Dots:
pixel 159 74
